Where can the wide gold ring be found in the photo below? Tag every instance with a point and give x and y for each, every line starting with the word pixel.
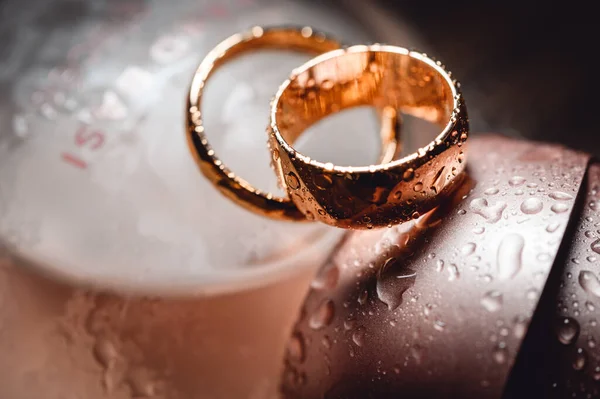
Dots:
pixel 232 186
pixel 387 77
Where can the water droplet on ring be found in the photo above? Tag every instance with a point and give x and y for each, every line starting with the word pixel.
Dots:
pixel 292 181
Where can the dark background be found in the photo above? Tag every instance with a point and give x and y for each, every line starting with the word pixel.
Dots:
pixel 528 67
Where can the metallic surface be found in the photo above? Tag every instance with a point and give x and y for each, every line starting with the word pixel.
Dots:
pixel 376 195
pixel 439 307
pixel 237 189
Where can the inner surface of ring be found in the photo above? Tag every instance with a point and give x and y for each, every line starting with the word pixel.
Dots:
pixel 353 78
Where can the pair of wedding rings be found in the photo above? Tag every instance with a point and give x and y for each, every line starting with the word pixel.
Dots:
pixel 392 79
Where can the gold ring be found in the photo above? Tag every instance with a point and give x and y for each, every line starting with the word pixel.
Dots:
pixel 377 195
pixel 232 186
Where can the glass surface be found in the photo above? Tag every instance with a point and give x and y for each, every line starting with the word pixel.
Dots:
pixel 96 181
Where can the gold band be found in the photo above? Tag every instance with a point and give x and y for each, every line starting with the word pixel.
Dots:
pixel 232 186
pixel 378 195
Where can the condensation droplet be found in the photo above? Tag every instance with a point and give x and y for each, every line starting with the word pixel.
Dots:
pixel 552 227
pixel 453 273
pixel 560 196
pixel 358 336
pixel 439 325
pixel 500 353
pixel 392 282
pixel 516 181
pixel 509 255
pixel 544 257
pixel 479 230
pixel 409 174
pixel 580 359
pixel 322 315
pixel 439 265
pixel 491 191
pixel 492 213
pixel 531 206
pixel 292 181
pixel 567 330
pixel 418 187
pixel 591 342
pixel 363 297
pixel 468 249
pixel 275 155
pixel 105 353
pixel 559 208
pixel 492 301
pixel 589 282
pixel 520 327
pixel 296 347
pixel 590 306
pixel 595 246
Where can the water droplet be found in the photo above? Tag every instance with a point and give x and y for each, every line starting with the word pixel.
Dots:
pixel 326 342
pixel 589 234
pixel 327 278
pixel 468 249
pixel 309 215
pixel 292 181
pixel 409 174
pixel 552 227
pixel 559 208
pixel 509 255
pixel 593 205
pixel 275 155
pixel 453 273
pixel 491 191
pixel 439 325
pixel 479 230
pixel 591 259
pixel 591 342
pixel 596 246
pixel 531 206
pixel 393 280
pixel 349 323
pixel 398 194
pixel 492 301
pixel 567 330
pixel 418 187
pixel 105 353
pixel 520 327
pixel 500 353
pixel 544 257
pixel 322 181
pixel 322 315
pixel 560 196
pixel 531 294
pixel 363 297
pixel 439 265
pixel 396 369
pixel 516 181
pixel 579 359
pixel 596 374
pixel 296 347
pixel 492 213
pixel 358 336
pixel 589 282
pixel 590 306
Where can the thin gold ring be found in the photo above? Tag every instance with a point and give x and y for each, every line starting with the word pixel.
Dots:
pixel 232 186
pixel 377 195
